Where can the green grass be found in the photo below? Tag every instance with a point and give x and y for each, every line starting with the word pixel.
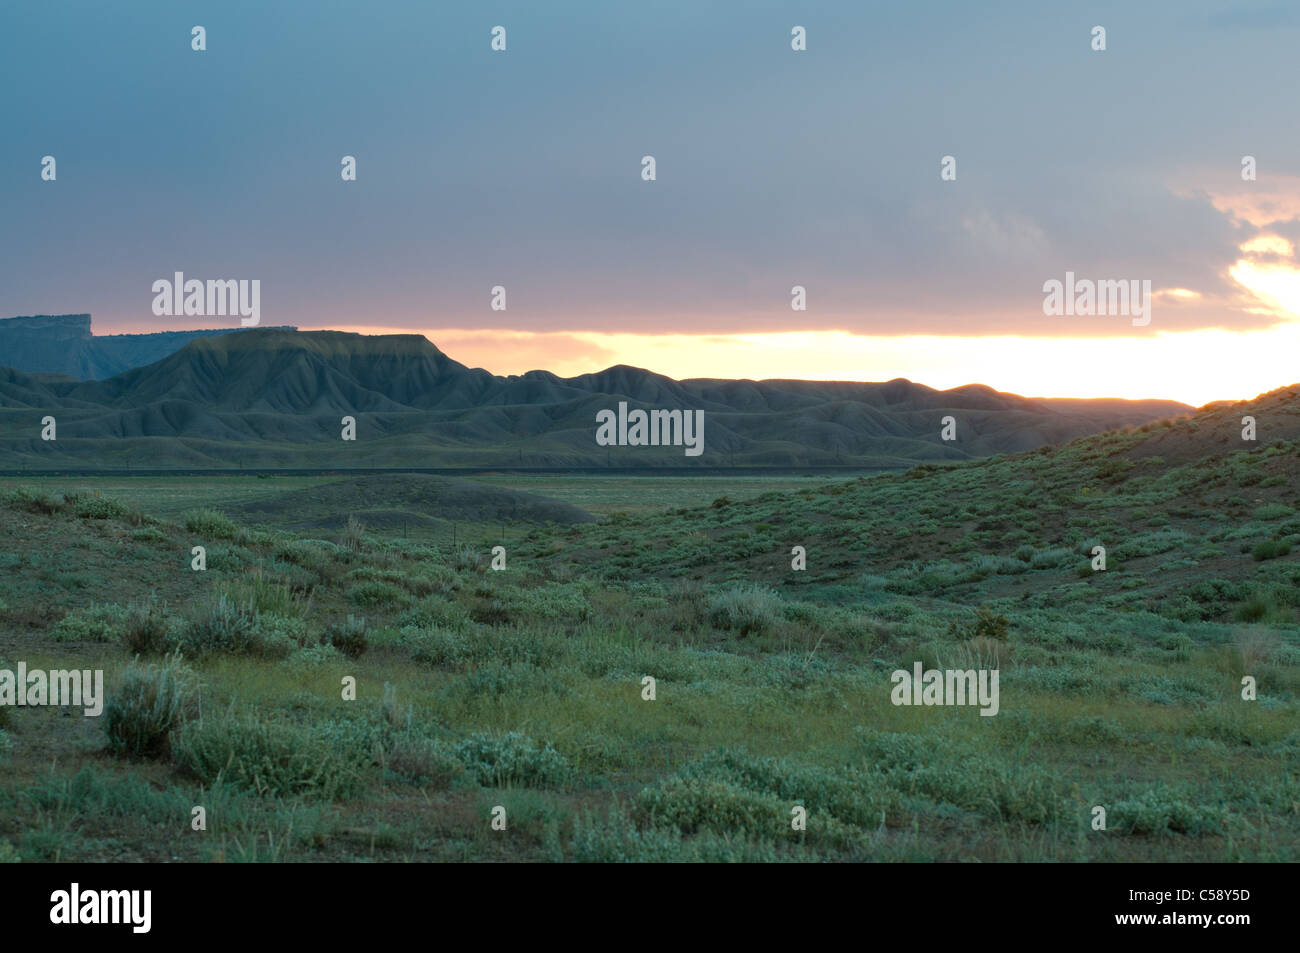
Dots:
pixel 523 689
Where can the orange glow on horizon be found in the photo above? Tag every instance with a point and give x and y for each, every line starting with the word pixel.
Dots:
pixel 1195 367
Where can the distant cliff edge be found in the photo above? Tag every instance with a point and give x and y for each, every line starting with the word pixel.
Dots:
pixel 64 344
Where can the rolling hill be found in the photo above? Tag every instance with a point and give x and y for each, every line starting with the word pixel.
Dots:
pixel 276 398
pixel 1122 687
pixel 1197 523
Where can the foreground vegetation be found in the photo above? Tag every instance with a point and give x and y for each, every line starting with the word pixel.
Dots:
pixel 523 688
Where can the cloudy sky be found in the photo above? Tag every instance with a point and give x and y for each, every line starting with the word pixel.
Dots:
pixel 775 168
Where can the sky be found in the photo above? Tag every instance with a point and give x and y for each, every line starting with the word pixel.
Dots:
pixel 774 168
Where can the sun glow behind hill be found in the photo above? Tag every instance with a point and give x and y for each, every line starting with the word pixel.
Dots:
pixel 1195 367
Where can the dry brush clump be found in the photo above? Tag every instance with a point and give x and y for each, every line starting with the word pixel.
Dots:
pixel 271 756
pixel 147 629
pixel 35 501
pixel 748 609
pixel 224 626
pixel 210 524
pixel 469 559
pixel 987 625
pixel 354 535
pixel 1256 646
pixel 152 702
pixel 348 637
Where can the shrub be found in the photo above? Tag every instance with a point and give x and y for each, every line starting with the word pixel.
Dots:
pixel 469 559
pixel 435 611
pixel 35 501
pixel 617 839
pixel 1113 470
pixel 147 630
pixel 378 595
pixel 1051 558
pixel 745 609
pixel 1070 678
pixel 511 758
pixel 555 603
pixel 354 535
pixel 268 757
pixel 1263 606
pixel 986 625
pixel 694 804
pixel 348 637
pixel 451 649
pixel 1163 690
pixel 500 680
pixel 1232 726
pixel 949 772
pixel 425 762
pixel 1272 511
pixel 276 636
pixel 96 507
pixel 491 611
pixel 309 555
pixel 313 656
pixel 210 524
pixel 1215 594
pixel 101 623
pixel 850 795
pixel 152 702
pixel 225 626
pixel 229 558
pixel 392 710
pixel 1162 810
pixel 1180 644
pixel 1256 646
pixel 257 589
pixel 373 574
pixel 1271 549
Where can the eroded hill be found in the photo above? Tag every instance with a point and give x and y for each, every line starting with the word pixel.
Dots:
pixel 275 398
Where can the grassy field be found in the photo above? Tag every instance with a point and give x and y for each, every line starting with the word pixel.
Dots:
pixel 606 495
pixel 523 688
pixel 167 497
